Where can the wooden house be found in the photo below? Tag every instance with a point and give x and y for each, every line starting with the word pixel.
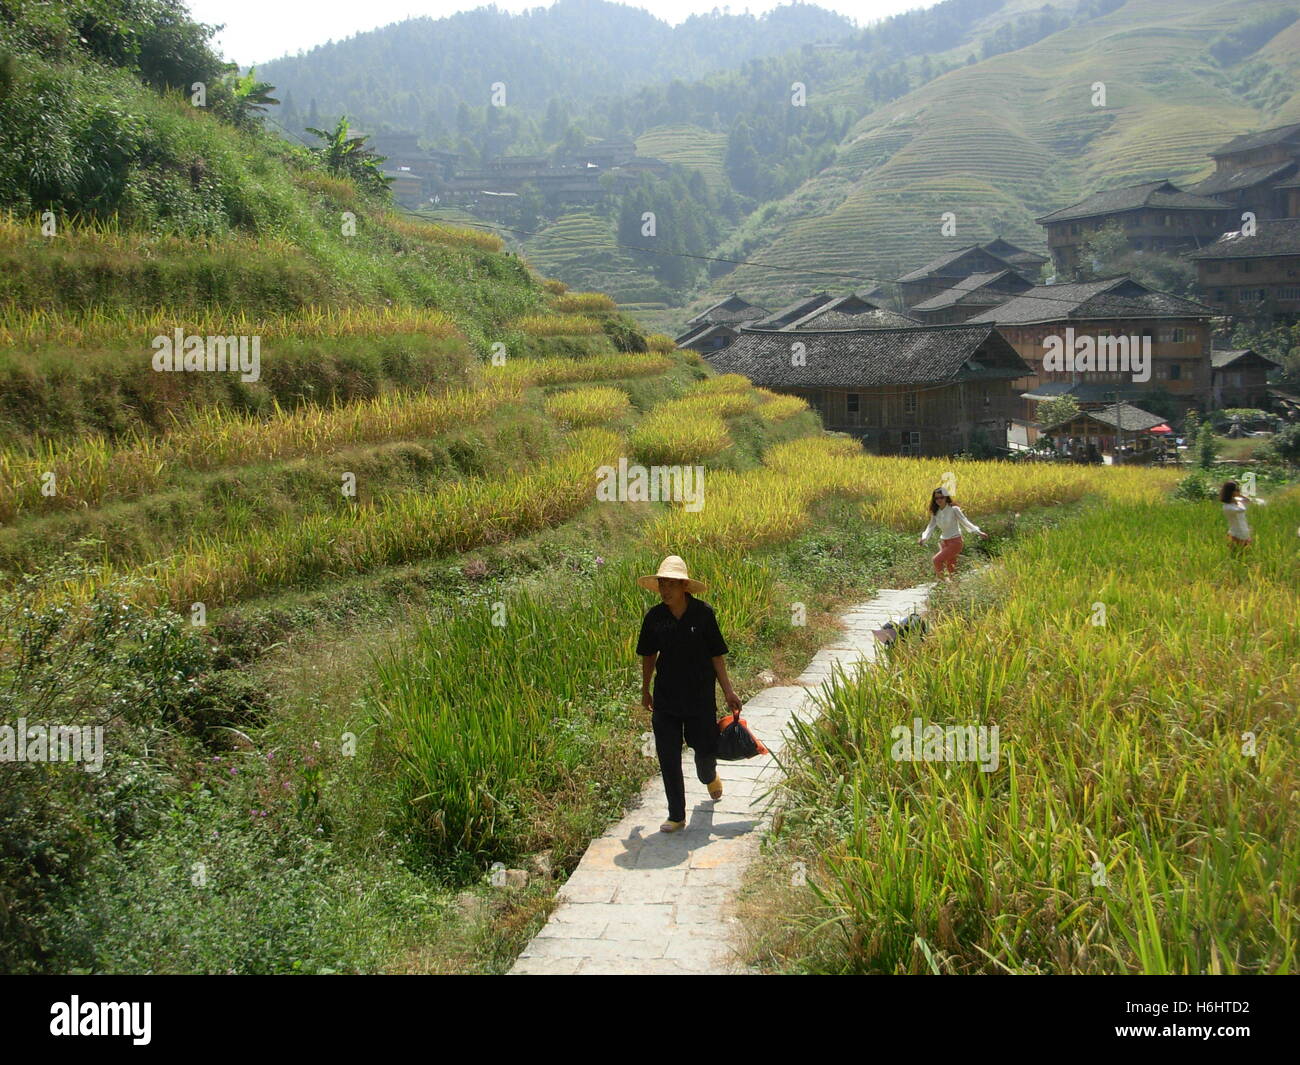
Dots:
pixel 971 296
pixel 852 312
pixel 1154 216
pixel 716 326
pixel 1177 331
pixel 1239 378
pixel 1115 428
pixel 1256 276
pixel 1265 147
pixel 948 269
pixel 916 391
pixel 793 312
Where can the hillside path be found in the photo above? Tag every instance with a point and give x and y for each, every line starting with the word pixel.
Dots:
pixel 642 901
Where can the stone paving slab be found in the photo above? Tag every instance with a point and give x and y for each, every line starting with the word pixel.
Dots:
pixel 646 902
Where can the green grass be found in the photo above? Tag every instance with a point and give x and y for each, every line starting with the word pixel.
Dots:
pixel 1129 827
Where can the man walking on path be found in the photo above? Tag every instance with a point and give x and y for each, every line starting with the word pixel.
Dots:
pixel 681 644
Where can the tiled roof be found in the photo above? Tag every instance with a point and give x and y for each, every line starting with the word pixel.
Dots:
pixel 1013 253
pixel 732 309
pixel 877 318
pixel 704 333
pixel 936 266
pixel 1084 391
pixel 693 332
pixel 1241 178
pixel 851 312
pixel 1156 194
pixel 968 292
pixel 1261 139
pixel 1273 236
pixel 798 309
pixel 1221 359
pixel 1116 297
pixel 1125 416
pixel 862 358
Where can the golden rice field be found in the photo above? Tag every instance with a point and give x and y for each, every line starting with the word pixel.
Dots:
pixel 772 502
pixel 592 405
pixel 93 469
pixel 690 429
pixel 66 327
pixel 775 408
pixel 441 233
pixel 526 372
pixel 661 343
pixel 1144 684
pixel 361 538
pixel 583 303
pixel 557 325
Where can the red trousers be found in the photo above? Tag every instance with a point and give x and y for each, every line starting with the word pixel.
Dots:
pixel 947 556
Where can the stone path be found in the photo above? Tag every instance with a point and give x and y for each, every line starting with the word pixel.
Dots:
pixel 642 901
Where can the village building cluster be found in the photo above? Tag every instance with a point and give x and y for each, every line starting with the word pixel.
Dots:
pixel 421 176
pixel 977 342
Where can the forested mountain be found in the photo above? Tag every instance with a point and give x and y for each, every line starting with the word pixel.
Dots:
pixel 819 149
pixel 417 76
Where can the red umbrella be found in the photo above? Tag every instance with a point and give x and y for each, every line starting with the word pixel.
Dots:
pixel 1161 428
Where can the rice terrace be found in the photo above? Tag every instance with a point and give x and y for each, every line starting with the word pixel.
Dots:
pixel 603 491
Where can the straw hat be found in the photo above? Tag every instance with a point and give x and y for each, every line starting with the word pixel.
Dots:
pixel 673 566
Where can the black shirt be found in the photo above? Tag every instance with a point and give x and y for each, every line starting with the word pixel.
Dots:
pixel 684 676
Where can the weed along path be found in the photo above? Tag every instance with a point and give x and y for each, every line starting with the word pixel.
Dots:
pixel 644 901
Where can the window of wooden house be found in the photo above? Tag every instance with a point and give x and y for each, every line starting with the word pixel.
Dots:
pixel 909 402
pixel 852 407
pixel 1288 292
pixel 911 443
pixel 1246 268
pixel 1175 371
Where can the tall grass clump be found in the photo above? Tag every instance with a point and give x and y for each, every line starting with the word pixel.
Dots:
pixel 554 371
pixel 487 720
pixel 1141 819
pixel 557 325
pixel 594 405
pixel 583 303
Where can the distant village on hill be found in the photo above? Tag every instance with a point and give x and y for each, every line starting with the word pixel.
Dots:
pixel 960 358
pixel 585 178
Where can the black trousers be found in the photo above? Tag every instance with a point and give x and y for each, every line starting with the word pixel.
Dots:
pixel 700 730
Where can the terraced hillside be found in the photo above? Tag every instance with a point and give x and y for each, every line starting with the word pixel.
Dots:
pixel 690 146
pixel 1013 136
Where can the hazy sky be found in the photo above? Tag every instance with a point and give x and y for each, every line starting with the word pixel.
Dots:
pixel 258 30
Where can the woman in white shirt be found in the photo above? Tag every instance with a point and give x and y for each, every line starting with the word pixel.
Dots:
pixel 947 517
pixel 1234 507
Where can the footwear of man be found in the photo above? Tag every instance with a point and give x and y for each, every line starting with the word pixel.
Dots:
pixel 715 789
pixel 672 826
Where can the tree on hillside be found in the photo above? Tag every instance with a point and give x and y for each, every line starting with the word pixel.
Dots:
pixel 1107 253
pixel 248 99
pixel 742 163
pixel 345 156
pixel 1054 411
